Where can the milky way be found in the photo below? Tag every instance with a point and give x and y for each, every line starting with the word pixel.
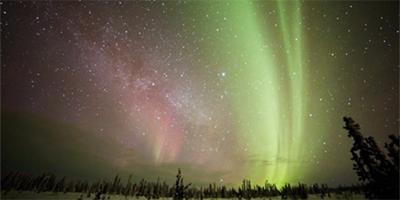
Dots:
pixel 226 90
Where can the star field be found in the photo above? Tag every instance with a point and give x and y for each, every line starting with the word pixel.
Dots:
pixel 227 90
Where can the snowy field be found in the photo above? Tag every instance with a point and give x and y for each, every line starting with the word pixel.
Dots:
pixel 75 196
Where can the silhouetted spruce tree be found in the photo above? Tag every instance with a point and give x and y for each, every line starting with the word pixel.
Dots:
pixel 180 187
pixel 380 174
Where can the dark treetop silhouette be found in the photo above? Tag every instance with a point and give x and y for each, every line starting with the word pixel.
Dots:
pixel 378 171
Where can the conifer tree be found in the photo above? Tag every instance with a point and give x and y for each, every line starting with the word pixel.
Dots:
pixel 380 174
pixel 180 188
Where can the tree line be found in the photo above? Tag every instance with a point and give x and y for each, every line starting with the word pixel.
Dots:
pixel 18 181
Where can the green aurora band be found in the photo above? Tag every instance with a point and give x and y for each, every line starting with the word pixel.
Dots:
pixel 271 118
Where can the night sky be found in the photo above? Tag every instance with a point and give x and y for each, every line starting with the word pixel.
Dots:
pixel 225 90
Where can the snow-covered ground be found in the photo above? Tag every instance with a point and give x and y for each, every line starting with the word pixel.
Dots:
pixel 75 196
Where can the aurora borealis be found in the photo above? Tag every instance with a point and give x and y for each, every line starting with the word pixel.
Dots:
pixel 225 90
